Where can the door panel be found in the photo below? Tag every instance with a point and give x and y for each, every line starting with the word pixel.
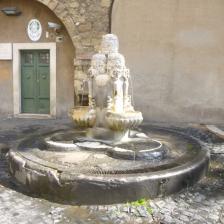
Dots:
pixel 28 77
pixel 28 81
pixel 43 106
pixel 44 82
pixel 35 82
pixel 43 79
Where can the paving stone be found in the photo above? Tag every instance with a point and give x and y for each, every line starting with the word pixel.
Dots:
pixel 142 211
pixel 168 219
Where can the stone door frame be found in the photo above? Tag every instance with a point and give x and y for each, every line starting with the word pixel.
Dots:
pixel 17 47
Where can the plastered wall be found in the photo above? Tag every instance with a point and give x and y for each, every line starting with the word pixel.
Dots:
pixel 175 50
pixel 13 30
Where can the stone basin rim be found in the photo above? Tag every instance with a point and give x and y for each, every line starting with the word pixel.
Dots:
pixel 150 175
pixel 81 188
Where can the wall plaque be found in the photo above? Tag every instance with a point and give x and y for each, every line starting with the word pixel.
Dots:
pixel 5 51
pixel 34 30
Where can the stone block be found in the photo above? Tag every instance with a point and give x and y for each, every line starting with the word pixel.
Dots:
pixel 87 42
pixel 60 9
pixel 45 2
pixel 105 3
pixel 69 24
pixel 84 53
pixel 85 27
pixel 80 75
pixel 52 4
pixel 74 4
pixel 81 63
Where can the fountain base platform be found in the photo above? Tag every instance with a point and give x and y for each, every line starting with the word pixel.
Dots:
pixel 95 167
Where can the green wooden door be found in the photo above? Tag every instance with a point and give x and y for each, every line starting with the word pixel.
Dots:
pixel 35 81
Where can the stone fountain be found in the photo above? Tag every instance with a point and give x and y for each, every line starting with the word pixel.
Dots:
pixel 104 159
pixel 109 100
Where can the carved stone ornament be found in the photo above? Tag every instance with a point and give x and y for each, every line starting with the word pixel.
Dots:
pixel 98 65
pixel 110 44
pixel 108 81
pixel 116 65
pixel 34 30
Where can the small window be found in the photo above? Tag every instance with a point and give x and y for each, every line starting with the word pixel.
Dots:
pixel 28 58
pixel 44 58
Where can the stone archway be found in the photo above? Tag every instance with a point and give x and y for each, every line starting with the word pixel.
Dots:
pixel 86 23
pixel 61 12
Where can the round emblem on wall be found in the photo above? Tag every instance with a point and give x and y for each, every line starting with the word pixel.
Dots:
pixel 34 30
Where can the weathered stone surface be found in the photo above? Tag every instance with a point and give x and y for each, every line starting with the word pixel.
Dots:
pixel 105 3
pixel 4 148
pixel 17 207
pixel 74 4
pixel 85 27
pixel 70 176
pixel 80 75
pixel 45 2
pixel 52 4
pixel 78 86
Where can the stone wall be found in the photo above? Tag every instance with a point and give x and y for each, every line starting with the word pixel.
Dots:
pixel 86 21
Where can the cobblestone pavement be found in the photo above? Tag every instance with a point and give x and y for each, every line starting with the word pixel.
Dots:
pixel 203 203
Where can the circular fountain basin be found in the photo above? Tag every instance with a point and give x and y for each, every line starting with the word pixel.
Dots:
pixel 86 168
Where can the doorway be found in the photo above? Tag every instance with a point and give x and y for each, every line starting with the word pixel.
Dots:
pixel 18 48
pixel 35 81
